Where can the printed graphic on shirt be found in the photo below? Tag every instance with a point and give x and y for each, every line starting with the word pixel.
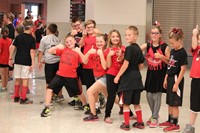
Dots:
pixel 171 62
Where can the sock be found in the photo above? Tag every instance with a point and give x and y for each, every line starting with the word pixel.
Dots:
pixel 126 117
pixel 175 121
pixel 16 93
pixel 24 91
pixel 139 116
pixel 170 118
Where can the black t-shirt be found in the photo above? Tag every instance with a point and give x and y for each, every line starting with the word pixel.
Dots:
pixel 11 28
pixel 38 34
pixel 24 43
pixel 178 58
pixel 134 55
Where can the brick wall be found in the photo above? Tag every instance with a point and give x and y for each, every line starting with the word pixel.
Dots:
pixel 18 6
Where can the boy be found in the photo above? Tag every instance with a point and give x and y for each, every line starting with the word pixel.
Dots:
pixel 174 80
pixel 131 81
pixel 24 61
pixel 195 83
pixel 66 75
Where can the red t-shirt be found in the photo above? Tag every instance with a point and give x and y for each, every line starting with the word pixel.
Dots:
pixel 69 61
pixel 195 71
pixel 97 67
pixel 116 65
pixel 88 43
pixel 4 50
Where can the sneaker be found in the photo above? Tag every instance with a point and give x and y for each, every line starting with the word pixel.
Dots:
pixel 46 112
pixel 59 98
pixel 72 103
pixel 26 101
pixel 153 123
pixel 98 111
pixel 165 124
pixel 3 90
pixel 16 99
pixel 91 117
pixel 173 127
pixel 189 129
pixel 125 127
pixel 149 121
pixel 102 101
pixel 138 125
pixel 54 97
pixel 108 120
pixel 78 105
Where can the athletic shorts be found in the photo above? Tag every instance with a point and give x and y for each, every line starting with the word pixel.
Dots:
pixel 50 71
pixel 22 71
pixel 195 95
pixel 71 85
pixel 130 97
pixel 102 80
pixel 3 65
pixel 174 98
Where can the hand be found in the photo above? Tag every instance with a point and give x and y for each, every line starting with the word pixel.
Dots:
pixel 74 32
pixel 111 52
pixel 99 52
pixel 116 79
pixel 40 65
pixel 10 63
pixel 175 87
pixel 157 55
pixel 77 49
pixel 196 30
pixel 84 33
pixel 165 84
pixel 92 51
pixel 31 68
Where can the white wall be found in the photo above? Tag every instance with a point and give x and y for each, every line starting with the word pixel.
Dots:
pixel 120 12
pixel 58 10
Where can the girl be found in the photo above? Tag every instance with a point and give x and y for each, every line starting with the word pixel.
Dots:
pixel 5 43
pixel 157 52
pixel 114 62
pixel 174 80
pixel 99 70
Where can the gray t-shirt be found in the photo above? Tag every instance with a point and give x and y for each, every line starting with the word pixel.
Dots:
pixel 45 44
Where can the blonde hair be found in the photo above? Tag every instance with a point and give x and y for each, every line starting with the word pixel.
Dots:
pixel 176 33
pixel 88 22
pixel 109 38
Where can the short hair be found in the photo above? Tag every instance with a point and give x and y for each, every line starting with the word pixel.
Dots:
pixel 88 22
pixel 75 19
pixel 27 24
pixel 52 28
pixel 19 29
pixel 176 33
pixel 134 29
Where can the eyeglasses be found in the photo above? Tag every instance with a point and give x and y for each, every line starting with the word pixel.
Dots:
pixel 91 27
pixel 155 33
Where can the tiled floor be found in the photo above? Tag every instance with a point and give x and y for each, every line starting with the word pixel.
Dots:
pixel 16 118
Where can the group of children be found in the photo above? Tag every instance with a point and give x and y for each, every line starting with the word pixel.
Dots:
pixel 109 68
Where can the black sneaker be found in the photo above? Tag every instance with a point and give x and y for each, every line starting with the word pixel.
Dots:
pixel 46 112
pixel 125 127
pixel 91 117
pixel 16 99
pixel 72 103
pixel 138 125
pixel 59 98
pixel 98 111
pixel 78 105
pixel 26 101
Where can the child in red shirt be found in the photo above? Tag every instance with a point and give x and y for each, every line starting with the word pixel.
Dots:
pixel 66 74
pixel 5 43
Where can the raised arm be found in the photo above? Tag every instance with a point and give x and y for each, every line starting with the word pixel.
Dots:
pixel 194 37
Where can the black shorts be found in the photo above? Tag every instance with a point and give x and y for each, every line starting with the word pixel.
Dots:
pixel 50 71
pixel 130 97
pixel 71 85
pixel 88 77
pixel 3 65
pixel 172 98
pixel 80 73
pixel 195 95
